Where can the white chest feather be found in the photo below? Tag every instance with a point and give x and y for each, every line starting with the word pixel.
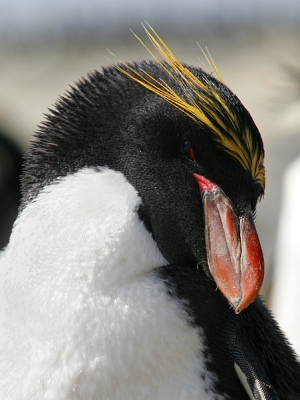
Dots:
pixel 83 316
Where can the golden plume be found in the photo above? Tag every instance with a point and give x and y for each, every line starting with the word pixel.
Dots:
pixel 206 107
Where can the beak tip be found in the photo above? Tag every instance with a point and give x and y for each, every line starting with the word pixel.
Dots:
pixel 235 302
pixel 240 307
pixel 238 303
pixel 246 299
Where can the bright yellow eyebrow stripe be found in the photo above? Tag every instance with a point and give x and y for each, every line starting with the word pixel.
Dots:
pixel 205 106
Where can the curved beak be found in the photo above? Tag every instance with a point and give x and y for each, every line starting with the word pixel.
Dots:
pixel 234 254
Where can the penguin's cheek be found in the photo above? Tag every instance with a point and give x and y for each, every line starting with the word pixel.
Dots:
pixel 180 232
pixel 172 211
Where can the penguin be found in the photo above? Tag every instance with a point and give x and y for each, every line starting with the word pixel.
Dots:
pixel 134 265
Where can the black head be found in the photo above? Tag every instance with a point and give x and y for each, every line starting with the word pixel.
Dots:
pixel 113 119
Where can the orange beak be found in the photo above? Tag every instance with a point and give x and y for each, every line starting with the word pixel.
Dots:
pixel 234 254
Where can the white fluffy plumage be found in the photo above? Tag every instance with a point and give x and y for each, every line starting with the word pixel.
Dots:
pixel 83 315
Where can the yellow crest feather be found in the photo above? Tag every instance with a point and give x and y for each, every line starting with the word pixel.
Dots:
pixel 206 107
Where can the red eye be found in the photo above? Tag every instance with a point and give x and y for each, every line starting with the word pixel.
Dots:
pixel 188 151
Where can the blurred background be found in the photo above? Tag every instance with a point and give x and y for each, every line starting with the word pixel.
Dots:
pixel 46 45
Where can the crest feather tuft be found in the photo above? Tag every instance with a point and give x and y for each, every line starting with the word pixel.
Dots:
pixel 202 103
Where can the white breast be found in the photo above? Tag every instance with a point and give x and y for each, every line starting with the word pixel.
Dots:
pixel 83 316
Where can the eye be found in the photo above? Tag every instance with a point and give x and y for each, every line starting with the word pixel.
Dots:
pixel 188 151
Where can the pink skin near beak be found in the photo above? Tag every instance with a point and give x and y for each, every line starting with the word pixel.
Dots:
pixel 234 254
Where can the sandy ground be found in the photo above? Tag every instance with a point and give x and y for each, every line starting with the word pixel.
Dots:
pixel 254 64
